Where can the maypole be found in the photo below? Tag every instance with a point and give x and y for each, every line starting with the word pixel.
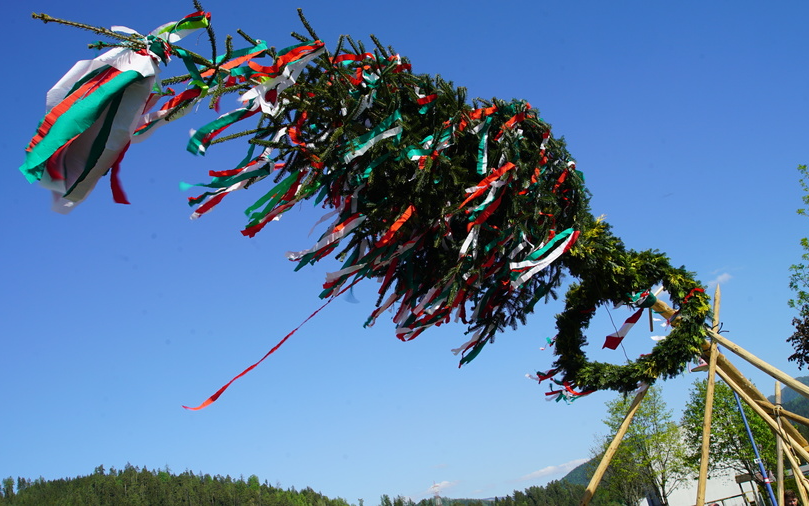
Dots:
pixel 461 210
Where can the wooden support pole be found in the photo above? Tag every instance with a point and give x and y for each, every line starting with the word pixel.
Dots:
pixel 667 312
pixel 752 392
pixel 613 447
pixel 773 410
pixel 763 414
pixel 800 480
pixel 709 390
pixel 664 310
pixel 779 448
pixel 764 366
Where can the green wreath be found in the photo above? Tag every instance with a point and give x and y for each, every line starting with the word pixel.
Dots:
pixel 608 273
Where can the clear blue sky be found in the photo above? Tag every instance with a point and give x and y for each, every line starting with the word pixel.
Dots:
pixel 688 120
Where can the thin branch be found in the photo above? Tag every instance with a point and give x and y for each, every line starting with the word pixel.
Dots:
pixel 299 37
pixel 246 37
pixel 379 46
pixel 95 29
pixel 236 135
pixel 307 25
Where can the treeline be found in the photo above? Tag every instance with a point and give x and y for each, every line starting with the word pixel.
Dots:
pixel 136 486
pixel 555 493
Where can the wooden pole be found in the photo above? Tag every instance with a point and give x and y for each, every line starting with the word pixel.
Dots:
pixel 779 448
pixel 764 366
pixel 763 414
pixel 800 480
pixel 667 312
pixel 743 383
pixel 613 447
pixel 709 390
pixel 772 409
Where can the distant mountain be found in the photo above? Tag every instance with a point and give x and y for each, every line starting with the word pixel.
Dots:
pixel 796 403
pixel 581 475
pixel 788 395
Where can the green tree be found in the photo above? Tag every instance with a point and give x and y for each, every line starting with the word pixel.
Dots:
pixel 730 448
pixel 8 487
pixel 799 283
pixel 651 458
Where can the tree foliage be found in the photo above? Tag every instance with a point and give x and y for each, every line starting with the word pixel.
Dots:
pixel 135 486
pixel 730 448
pixel 799 283
pixel 555 493
pixel 651 459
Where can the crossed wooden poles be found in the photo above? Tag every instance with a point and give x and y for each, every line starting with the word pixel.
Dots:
pixel 795 444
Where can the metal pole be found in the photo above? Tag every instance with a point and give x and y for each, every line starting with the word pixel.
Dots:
pixel 760 463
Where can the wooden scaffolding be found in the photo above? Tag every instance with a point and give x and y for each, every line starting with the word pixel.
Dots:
pixel 793 444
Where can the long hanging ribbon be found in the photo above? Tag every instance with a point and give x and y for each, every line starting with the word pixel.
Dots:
pixel 281 75
pixel 480 188
pixel 358 147
pixel 535 266
pixel 210 400
pixel 202 138
pixel 483 151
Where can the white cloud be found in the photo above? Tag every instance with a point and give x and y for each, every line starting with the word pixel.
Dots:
pixel 720 280
pixel 439 487
pixel 551 470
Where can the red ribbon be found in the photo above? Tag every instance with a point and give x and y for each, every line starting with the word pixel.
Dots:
pixel 210 400
pixel 692 292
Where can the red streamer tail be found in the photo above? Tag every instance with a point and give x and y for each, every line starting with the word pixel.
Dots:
pixel 210 400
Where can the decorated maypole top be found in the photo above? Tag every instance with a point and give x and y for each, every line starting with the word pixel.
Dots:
pixel 461 210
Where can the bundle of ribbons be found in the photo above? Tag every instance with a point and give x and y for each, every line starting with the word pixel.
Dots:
pixel 460 210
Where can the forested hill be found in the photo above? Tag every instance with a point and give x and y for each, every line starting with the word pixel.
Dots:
pixel 796 403
pixel 791 397
pixel 581 474
pixel 136 486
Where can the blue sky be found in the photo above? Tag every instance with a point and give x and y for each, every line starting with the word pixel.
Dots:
pixel 687 119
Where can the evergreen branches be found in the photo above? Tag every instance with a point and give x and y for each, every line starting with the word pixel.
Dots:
pixel 468 210
pixel 95 29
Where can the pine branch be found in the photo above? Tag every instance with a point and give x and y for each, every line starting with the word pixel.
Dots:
pixel 174 80
pixel 299 37
pixel 95 29
pixel 246 37
pixel 237 135
pixel 379 46
pixel 307 25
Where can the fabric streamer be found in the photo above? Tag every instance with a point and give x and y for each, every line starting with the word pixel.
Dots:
pixel 613 340
pixel 471 212
pixel 210 400
pixel 92 113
